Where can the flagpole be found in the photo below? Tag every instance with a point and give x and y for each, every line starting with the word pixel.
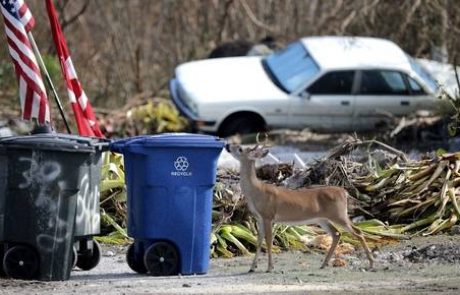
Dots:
pixel 48 79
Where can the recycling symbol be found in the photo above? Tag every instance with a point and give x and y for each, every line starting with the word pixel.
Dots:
pixel 181 163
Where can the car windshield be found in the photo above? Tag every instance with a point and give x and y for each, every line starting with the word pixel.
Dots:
pixel 292 67
pixel 420 70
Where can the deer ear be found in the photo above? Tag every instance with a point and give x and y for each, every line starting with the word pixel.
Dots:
pixel 258 153
pixel 263 153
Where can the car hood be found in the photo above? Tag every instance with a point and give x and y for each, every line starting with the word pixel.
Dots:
pixel 232 79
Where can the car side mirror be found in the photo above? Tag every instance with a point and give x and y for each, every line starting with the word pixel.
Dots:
pixel 305 94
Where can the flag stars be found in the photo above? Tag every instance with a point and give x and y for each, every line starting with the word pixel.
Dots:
pixel 10 2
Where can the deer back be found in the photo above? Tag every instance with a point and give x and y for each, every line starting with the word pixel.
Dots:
pixel 286 205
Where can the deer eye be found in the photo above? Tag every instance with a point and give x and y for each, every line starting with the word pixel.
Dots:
pixel 240 150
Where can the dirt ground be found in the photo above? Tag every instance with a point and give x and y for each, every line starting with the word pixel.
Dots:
pixel 428 265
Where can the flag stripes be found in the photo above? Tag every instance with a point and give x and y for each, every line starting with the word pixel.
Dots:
pixel 84 115
pixel 32 94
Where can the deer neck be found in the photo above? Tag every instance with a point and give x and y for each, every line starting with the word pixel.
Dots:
pixel 248 177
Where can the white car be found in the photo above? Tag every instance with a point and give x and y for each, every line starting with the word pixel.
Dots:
pixel 323 83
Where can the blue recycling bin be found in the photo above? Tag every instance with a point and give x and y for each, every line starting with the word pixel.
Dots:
pixel 170 179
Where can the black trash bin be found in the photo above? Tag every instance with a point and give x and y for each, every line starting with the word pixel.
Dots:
pixel 3 180
pixel 88 217
pixel 40 179
pixel 87 252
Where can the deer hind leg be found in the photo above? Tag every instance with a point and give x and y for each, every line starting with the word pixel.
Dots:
pixel 359 234
pixel 329 228
pixel 260 239
pixel 269 241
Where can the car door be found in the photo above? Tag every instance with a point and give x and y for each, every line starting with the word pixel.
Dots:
pixel 419 98
pixel 381 95
pixel 327 104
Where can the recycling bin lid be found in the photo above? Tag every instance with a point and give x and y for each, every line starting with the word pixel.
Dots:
pixel 171 140
pixel 55 141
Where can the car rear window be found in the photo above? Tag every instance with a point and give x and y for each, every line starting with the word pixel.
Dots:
pixel 422 73
pixel 415 88
pixel 292 67
pixel 382 83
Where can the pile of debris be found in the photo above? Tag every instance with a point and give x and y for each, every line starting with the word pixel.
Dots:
pixel 392 195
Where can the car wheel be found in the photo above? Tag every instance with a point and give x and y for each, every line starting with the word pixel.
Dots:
pixel 242 125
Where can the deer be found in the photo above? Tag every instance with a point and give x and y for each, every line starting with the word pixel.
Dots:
pixel 323 205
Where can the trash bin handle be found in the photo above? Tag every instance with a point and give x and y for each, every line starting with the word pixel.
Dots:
pixel 117 147
pixel 121 147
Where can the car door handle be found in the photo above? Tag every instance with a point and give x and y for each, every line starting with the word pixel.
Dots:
pixel 405 103
pixel 345 102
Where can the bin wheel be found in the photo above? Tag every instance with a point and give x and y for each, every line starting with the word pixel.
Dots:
pixel 161 259
pixel 21 262
pixel 2 248
pixel 89 259
pixel 74 257
pixel 133 262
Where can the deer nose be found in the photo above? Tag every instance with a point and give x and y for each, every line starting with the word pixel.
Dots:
pixel 227 147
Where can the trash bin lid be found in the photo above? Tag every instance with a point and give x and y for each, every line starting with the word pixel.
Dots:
pixel 173 140
pixel 98 143
pixel 55 141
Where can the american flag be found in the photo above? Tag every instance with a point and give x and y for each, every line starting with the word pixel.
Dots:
pixel 32 94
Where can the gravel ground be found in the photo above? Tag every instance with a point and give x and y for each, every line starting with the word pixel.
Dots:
pixel 428 265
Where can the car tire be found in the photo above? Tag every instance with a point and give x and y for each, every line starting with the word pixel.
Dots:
pixel 241 125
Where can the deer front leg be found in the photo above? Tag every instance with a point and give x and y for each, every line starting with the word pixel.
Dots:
pixel 359 234
pixel 269 240
pixel 348 225
pixel 335 234
pixel 260 239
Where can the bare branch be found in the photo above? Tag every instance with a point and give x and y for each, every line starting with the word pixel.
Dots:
pixel 347 21
pixel 456 74
pixel 254 19
pixel 414 6
pixel 66 22
pixel 223 20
